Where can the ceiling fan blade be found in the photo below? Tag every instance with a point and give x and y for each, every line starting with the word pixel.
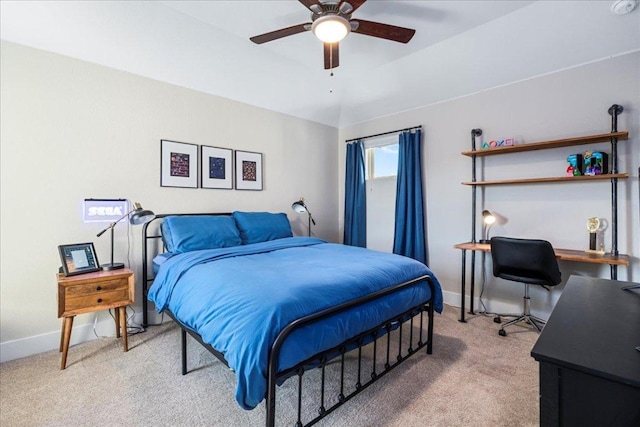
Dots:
pixel 383 31
pixel 331 59
pixel 278 34
pixel 311 5
pixel 354 4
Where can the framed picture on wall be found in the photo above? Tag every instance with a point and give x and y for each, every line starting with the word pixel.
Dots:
pixel 217 165
pixel 178 164
pixel 248 170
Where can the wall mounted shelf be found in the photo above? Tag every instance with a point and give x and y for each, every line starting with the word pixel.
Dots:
pixel 545 145
pixel 613 259
pixel 550 179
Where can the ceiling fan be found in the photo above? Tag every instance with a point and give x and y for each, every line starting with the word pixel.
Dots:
pixel 331 22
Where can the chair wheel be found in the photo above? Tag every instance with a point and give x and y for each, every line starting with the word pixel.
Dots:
pixel 497 319
pixel 502 333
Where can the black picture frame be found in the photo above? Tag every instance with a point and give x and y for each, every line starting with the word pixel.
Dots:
pixel 78 258
pixel 216 167
pixel 178 164
pixel 248 170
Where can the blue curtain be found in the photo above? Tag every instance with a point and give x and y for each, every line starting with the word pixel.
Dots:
pixel 355 202
pixel 409 235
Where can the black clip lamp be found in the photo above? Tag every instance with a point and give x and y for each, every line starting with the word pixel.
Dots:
pixel 301 208
pixel 138 216
pixel 488 219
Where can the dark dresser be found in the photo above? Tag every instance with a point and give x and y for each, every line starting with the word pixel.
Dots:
pixel 589 365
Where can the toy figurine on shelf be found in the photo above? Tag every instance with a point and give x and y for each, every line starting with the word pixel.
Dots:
pixel 593 226
pixel 575 165
pixel 596 163
pixel 507 142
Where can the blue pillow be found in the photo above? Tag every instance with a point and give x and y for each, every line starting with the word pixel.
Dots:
pixel 258 227
pixel 187 233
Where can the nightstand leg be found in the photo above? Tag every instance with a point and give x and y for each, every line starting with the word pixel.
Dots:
pixel 62 334
pixel 116 315
pixel 123 326
pixel 66 337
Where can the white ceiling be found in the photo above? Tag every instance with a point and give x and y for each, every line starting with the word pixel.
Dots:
pixel 460 47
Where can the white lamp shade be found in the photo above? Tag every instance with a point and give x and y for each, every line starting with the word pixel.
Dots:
pixel 331 28
pixel 488 218
pixel 299 207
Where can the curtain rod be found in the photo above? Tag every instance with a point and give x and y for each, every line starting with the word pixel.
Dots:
pixel 385 133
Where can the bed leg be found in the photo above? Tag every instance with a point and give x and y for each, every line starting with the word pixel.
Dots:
pixel 271 404
pixel 183 334
pixel 430 330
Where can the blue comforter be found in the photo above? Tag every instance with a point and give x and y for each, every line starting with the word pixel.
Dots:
pixel 238 299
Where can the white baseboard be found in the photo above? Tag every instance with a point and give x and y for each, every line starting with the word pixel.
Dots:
pixel 23 347
pixel 493 306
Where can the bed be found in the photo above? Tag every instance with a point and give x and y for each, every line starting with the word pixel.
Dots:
pixel 271 306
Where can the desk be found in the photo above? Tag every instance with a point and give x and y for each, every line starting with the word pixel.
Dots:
pixel 561 254
pixel 589 368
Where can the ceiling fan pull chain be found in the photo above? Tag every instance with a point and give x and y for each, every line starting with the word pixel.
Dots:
pixel 331 60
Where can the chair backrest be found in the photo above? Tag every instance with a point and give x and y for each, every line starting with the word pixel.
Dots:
pixel 530 261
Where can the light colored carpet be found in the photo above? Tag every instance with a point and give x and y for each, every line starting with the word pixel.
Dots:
pixel 473 378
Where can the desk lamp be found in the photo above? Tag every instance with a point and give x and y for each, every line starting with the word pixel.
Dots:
pixel 138 216
pixel 301 208
pixel 488 219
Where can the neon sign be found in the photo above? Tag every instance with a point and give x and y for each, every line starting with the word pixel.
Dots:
pixel 104 210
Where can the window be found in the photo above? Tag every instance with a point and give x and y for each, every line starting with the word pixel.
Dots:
pixel 382 158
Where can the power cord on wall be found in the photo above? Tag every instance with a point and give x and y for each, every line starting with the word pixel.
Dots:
pixel 129 243
pixel 129 231
pixel 497 317
pixel 132 328
pixel 484 311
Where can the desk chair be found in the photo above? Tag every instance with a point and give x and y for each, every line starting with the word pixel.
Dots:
pixel 529 261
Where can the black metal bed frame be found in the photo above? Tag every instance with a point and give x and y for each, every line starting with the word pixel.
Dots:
pixel 372 336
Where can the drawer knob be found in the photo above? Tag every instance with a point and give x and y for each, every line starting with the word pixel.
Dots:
pixel 99 288
pixel 99 299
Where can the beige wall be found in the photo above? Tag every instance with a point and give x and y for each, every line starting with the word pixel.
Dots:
pixel 568 103
pixel 72 130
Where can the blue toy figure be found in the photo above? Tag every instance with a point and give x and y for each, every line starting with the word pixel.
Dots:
pixel 575 165
pixel 596 163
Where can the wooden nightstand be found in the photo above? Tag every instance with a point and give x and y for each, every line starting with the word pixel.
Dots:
pixel 89 292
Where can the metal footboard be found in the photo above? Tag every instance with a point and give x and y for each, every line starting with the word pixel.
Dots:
pixel 412 318
pixel 357 342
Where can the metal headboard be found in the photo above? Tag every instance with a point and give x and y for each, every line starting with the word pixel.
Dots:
pixel 147 276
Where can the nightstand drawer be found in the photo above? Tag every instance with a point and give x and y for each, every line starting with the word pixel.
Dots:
pixel 94 291
pixel 95 301
pixel 96 288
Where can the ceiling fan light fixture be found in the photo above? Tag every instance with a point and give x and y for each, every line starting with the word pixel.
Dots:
pixel 331 28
